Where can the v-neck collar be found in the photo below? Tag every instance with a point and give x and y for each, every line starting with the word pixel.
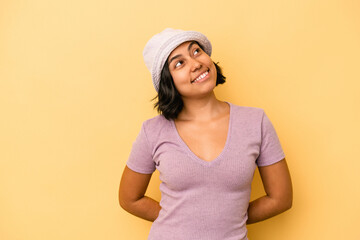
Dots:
pixel 193 155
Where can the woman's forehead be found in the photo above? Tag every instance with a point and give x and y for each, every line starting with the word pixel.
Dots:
pixel 184 46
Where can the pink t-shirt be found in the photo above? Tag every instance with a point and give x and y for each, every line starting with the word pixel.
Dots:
pixel 203 200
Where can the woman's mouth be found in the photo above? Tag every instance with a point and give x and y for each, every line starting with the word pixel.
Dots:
pixel 201 78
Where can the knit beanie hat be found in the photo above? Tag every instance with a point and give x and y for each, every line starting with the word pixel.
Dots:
pixel 160 46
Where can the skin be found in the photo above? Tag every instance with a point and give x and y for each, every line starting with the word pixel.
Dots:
pixel 203 125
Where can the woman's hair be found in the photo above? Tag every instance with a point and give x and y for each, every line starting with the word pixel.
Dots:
pixel 169 102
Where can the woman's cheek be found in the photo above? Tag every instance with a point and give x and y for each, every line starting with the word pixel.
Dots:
pixel 179 77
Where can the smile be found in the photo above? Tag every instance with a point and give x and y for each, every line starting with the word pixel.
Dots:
pixel 201 78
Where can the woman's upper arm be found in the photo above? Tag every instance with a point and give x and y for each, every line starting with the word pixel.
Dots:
pixel 277 182
pixel 133 186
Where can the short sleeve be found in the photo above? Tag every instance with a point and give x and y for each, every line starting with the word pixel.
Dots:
pixel 140 159
pixel 270 149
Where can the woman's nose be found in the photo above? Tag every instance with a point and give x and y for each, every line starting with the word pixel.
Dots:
pixel 195 65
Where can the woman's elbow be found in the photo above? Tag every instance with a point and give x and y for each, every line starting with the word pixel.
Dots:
pixel 126 204
pixel 288 204
pixel 123 202
pixel 282 203
pixel 285 203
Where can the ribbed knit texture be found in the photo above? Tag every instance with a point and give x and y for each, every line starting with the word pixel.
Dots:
pixel 203 200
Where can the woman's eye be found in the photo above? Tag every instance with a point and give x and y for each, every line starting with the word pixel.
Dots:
pixel 196 51
pixel 178 64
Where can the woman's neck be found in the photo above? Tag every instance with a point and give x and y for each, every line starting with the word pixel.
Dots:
pixel 201 109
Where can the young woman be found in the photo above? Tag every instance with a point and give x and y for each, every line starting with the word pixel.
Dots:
pixel 206 150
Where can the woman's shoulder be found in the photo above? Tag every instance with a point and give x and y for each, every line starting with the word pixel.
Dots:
pixel 246 116
pixel 246 110
pixel 156 123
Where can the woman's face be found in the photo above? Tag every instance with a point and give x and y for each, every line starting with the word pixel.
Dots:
pixel 192 70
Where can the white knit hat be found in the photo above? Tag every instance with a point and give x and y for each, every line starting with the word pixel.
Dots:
pixel 159 47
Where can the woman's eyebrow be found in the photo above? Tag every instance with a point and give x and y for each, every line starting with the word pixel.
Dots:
pixel 176 56
pixel 190 45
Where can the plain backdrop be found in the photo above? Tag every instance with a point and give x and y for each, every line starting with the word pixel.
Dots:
pixel 74 91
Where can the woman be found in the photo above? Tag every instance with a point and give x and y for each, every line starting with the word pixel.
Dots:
pixel 206 150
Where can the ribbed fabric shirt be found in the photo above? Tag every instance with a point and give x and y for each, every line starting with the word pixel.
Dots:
pixel 202 200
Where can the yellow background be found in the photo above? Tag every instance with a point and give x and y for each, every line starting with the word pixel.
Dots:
pixel 74 91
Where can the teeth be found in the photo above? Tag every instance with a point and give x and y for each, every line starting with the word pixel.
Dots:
pixel 201 76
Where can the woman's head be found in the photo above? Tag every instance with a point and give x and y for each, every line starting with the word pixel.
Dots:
pixel 169 100
pixel 192 70
pixel 180 65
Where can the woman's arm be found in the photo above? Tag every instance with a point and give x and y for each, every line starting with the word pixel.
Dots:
pixel 277 184
pixel 132 188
